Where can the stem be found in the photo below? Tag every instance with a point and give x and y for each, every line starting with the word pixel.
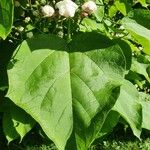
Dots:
pixel 69 33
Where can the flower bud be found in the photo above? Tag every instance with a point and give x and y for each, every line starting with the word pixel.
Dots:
pixel 47 11
pixel 89 7
pixel 84 14
pixel 29 35
pixel 17 3
pixel 20 28
pixel 67 8
pixel 27 19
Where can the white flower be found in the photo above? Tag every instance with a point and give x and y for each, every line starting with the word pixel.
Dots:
pixel 67 8
pixel 47 11
pixel 89 7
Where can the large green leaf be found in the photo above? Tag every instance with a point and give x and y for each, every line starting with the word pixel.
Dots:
pixel 64 86
pixel 6 17
pixel 139 32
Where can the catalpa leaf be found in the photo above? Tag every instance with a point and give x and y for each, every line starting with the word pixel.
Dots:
pixel 67 88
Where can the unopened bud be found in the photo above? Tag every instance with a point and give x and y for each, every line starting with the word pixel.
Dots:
pixel 27 19
pixel 20 29
pixel 84 14
pixel 29 34
pixel 47 11
pixel 17 4
pixel 89 7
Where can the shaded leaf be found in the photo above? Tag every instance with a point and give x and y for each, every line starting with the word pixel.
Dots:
pixel 141 16
pixel 8 128
pixel 110 122
pixel 16 122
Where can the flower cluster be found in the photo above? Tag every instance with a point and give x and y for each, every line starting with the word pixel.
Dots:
pixel 67 8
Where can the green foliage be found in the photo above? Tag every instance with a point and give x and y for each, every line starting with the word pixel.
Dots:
pixel 76 77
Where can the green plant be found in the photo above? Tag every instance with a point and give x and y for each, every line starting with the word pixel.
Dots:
pixel 74 73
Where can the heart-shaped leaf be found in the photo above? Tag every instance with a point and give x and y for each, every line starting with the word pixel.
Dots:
pixel 67 87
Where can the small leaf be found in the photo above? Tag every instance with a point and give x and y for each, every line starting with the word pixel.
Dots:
pixel 89 25
pixel 8 128
pixel 140 68
pixel 99 14
pixel 23 123
pixel 124 6
pixel 16 122
pixel 6 17
pixel 112 10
